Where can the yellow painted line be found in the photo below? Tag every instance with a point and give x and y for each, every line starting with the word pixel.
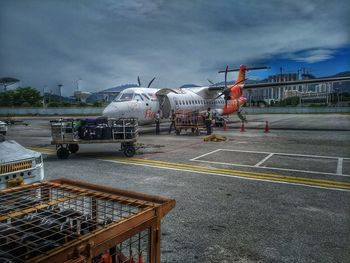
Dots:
pixel 181 165
pixel 236 173
pixel 43 150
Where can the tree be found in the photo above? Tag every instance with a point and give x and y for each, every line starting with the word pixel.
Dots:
pixel 7 98
pixel 27 95
pixel 22 96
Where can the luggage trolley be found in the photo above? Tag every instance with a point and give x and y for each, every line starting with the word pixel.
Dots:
pixel 67 134
pixel 188 119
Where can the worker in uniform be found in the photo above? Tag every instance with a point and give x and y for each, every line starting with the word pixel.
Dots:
pixel 208 120
pixel 157 120
pixel 172 120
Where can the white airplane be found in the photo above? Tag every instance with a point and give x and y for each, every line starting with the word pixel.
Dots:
pixel 143 103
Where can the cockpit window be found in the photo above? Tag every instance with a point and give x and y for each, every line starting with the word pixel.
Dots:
pixel 124 97
pixel 138 97
pixel 146 96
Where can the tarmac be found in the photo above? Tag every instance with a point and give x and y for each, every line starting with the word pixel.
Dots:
pixel 277 196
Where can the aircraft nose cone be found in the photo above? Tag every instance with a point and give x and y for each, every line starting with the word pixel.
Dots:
pixel 110 111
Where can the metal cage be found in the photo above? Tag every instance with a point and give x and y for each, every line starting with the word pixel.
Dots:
pixel 71 221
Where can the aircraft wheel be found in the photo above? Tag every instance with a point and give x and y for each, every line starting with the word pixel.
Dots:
pixel 73 148
pixel 62 153
pixel 129 151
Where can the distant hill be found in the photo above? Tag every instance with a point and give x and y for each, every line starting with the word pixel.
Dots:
pixel 118 88
pixel 101 95
pixel 341 86
pixel 54 97
pixel 340 74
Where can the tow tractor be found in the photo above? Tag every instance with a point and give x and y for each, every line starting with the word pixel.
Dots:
pixel 19 165
pixel 3 128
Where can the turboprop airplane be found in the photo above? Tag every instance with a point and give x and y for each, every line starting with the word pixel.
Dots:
pixel 143 103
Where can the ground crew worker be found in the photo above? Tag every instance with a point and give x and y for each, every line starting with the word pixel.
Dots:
pixel 172 119
pixel 157 120
pixel 208 120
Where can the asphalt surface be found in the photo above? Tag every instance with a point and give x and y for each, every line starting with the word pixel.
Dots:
pixel 282 196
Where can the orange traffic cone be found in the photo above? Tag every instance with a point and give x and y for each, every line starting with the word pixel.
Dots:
pixel 242 127
pixel 140 259
pixel 267 127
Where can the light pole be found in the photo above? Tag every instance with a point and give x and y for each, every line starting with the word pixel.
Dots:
pixel 60 90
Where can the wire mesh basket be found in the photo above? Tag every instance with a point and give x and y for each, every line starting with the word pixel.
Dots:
pixel 71 221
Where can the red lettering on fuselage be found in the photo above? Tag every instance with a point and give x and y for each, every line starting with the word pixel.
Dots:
pixel 149 114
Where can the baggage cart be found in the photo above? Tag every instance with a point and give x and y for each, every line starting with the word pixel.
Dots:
pixel 189 120
pixel 67 134
pixel 69 221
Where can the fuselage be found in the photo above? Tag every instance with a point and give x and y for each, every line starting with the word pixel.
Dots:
pixel 138 102
pixel 143 103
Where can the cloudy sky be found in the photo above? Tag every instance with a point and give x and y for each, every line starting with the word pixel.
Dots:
pixel 107 43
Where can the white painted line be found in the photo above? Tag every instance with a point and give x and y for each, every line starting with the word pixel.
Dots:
pixel 264 160
pixel 205 154
pixel 271 168
pixel 340 166
pixel 288 154
pixel 224 175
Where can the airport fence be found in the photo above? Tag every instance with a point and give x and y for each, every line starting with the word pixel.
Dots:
pixel 296 110
pixel 9 111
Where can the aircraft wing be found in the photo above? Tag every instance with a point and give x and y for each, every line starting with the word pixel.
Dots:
pixel 297 82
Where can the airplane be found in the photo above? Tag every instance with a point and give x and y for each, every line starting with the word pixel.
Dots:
pixel 143 103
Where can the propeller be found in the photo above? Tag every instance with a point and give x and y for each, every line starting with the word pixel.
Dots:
pixel 138 81
pixel 226 69
pixel 150 83
pixel 211 83
pixel 227 91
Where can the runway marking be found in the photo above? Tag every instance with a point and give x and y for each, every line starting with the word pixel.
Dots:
pixel 206 154
pixel 264 160
pixel 340 166
pixel 275 178
pixel 287 154
pixel 258 165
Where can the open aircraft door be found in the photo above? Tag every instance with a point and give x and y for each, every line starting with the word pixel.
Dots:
pixel 166 102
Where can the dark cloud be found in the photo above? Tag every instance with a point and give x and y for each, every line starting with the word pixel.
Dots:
pixel 107 43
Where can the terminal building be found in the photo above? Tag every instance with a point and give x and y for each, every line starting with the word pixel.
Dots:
pixel 270 95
